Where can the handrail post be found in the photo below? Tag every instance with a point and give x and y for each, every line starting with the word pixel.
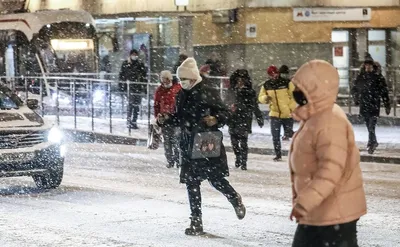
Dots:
pixel 92 104
pixel 74 98
pixel 394 85
pixel 41 96
pixel 110 105
pixel 129 117
pixel 26 90
pixel 221 89
pixel 148 108
pixel 349 97
pixel 57 104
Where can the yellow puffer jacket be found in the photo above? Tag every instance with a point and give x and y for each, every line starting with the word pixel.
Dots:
pixel 279 94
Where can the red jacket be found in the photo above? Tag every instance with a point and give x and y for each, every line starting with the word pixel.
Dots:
pixel 164 99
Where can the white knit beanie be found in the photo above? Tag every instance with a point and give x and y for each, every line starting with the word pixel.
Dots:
pixel 166 74
pixel 189 70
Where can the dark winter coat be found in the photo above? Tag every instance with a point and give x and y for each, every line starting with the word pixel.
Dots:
pixel 244 106
pixel 191 107
pixel 133 71
pixel 368 89
pixel 216 68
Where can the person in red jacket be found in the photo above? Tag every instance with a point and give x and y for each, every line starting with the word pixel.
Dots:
pixel 164 105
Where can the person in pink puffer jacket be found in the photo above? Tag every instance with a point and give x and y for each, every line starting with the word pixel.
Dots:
pixel 324 161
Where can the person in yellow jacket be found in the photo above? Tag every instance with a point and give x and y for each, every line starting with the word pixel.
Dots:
pixel 278 93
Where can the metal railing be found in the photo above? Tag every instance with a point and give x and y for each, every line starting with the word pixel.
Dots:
pixel 101 99
pixel 100 102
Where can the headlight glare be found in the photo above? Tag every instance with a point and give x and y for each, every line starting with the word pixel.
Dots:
pixel 55 135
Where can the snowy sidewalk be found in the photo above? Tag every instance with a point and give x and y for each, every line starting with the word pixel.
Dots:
pixel 388 137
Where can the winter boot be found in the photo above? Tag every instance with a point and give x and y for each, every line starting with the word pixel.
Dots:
pixel 244 166
pixel 372 148
pixel 278 158
pixel 196 227
pixel 237 164
pixel 240 209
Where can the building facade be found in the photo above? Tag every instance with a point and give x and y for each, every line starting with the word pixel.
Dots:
pixel 247 33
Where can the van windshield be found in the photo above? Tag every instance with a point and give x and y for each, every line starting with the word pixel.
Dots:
pixel 8 99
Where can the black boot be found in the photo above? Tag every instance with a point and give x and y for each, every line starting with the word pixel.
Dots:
pixel 237 164
pixel 240 209
pixel 278 158
pixel 372 148
pixel 195 228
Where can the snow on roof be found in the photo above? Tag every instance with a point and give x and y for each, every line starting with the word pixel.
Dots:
pixel 31 23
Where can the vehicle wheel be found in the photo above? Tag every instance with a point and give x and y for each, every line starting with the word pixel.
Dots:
pixel 52 179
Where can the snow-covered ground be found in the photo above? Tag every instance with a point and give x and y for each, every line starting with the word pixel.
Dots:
pixel 115 195
pixel 388 136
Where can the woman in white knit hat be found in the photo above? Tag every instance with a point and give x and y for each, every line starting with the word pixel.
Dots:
pixel 199 109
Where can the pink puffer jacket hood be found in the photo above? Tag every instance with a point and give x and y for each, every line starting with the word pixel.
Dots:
pixel 319 81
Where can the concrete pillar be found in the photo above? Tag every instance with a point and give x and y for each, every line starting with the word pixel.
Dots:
pixel 396 48
pixel 186 35
pixel 362 43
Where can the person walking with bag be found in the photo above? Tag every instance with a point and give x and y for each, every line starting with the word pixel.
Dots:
pixel 278 92
pixel 327 184
pixel 164 105
pixel 200 113
pixel 243 105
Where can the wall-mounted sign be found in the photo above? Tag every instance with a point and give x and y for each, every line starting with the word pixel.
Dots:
pixel 338 51
pixel 331 14
pixel 181 2
pixel 251 30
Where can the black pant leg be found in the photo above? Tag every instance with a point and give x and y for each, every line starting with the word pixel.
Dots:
pixel 338 235
pixel 305 236
pixel 136 101
pixel 334 235
pixel 168 142
pixel 235 144
pixel 288 126
pixel 223 186
pixel 129 110
pixel 244 148
pixel 175 145
pixel 372 123
pixel 194 194
pixel 276 135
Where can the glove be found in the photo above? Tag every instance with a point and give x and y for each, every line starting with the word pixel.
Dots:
pixel 161 118
pixel 233 108
pixel 387 109
pixel 260 122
